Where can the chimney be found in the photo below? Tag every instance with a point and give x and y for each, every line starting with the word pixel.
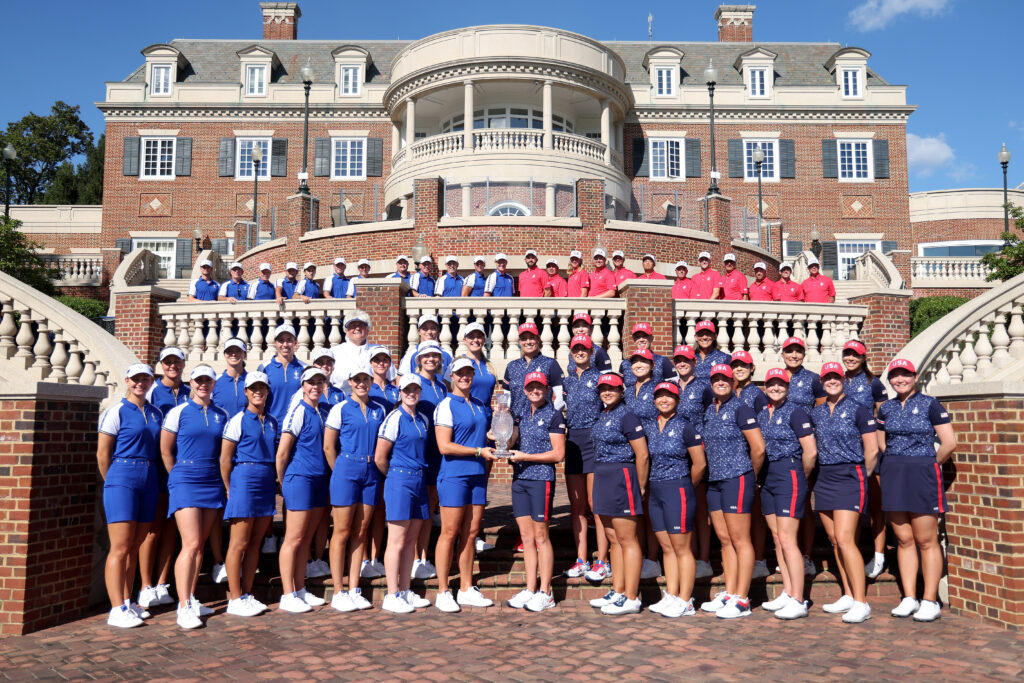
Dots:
pixel 280 20
pixel 735 23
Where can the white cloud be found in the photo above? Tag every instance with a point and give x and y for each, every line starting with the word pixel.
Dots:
pixel 927 155
pixel 876 14
pixel 963 172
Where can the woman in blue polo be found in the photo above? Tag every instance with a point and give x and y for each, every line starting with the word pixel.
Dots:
pixel 583 325
pixel 304 478
pixel 381 388
pixel 284 372
pixel 661 368
pixel 400 455
pixel 127 453
pixel 229 390
pixel 541 447
pixel 429 364
pixel 677 458
pixel 620 478
pixel 247 457
pixel 791 452
pixel 735 453
pixel 190 447
pixel 532 360
pixel 349 443
pixel 912 492
pixel 484 379
pixel 460 426
pixel 847 451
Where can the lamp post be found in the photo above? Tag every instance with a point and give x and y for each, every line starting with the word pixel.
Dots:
pixel 307 81
pixel 1004 161
pixel 816 242
pixel 10 154
pixel 257 157
pixel 197 235
pixel 758 157
pixel 711 77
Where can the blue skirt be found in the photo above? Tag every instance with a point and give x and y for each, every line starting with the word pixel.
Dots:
pixel 253 491
pixel 194 488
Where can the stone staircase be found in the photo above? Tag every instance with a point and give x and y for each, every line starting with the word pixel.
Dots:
pixel 845 289
pixel 179 285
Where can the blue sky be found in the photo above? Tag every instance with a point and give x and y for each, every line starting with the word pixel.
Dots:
pixel 959 57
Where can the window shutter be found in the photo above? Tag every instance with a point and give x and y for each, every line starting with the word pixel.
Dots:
pixel 130 160
pixel 640 169
pixel 889 246
pixel 830 258
pixel 220 246
pixel 793 247
pixel 183 255
pixel 375 157
pixel 322 157
pixel 124 244
pixel 226 161
pixel 693 157
pixel 787 159
pixel 881 151
pixel 829 159
pixel 279 157
pixel 183 156
pixel 736 158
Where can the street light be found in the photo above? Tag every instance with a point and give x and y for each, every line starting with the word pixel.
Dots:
pixel 257 157
pixel 758 157
pixel 198 236
pixel 711 77
pixel 1004 161
pixel 816 242
pixel 306 73
pixel 10 154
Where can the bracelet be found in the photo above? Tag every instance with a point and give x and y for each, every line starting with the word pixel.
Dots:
pixel 478 451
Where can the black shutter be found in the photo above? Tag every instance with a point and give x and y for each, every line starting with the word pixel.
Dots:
pixel 736 158
pixel 183 257
pixel 640 169
pixel 830 258
pixel 787 159
pixel 881 158
pixel 124 244
pixel 226 159
pixel 693 157
pixel 322 157
pixel 889 246
pixel 375 157
pixel 183 156
pixel 829 159
pixel 794 247
pixel 130 160
pixel 220 246
pixel 279 157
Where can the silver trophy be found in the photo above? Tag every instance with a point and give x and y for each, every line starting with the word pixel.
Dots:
pixel 502 424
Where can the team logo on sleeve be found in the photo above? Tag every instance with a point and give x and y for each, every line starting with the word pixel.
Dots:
pixel 806 425
pixel 751 420
pixel 943 415
pixel 638 429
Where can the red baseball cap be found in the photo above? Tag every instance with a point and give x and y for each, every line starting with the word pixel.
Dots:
pixel 742 356
pixel 705 325
pixel 794 340
pixel 855 346
pixel 684 350
pixel 642 353
pixel 581 339
pixel 902 364
pixel 670 387
pixel 529 327
pixel 645 328
pixel 832 368
pixel 720 369
pixel 611 379
pixel 776 373
pixel 535 377
pixel 583 316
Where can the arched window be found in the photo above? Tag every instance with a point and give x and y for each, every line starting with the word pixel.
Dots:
pixel 508 209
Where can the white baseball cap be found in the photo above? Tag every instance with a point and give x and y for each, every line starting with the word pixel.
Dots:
pixel 291 265
pixel 479 259
pixel 206 263
pixel 682 264
pixel 138 369
pixel 402 258
pixel 235 343
pixel 311 372
pixel 813 261
pixel 363 262
pixel 785 265
pixel 340 261
pixel 729 257
pixel 409 379
pixel 473 327
pixel 760 264
pixel 619 253
pixel 236 264
pixel 600 252
pixel 171 351
pixel 256 377
pixel 576 253
pixel 281 329
pixel 704 254
pixel 649 256
pixel 321 352
pixel 426 259
pixel 362 368
pixel 428 318
pixel 451 259
pixel 500 257
pixel 552 262
pixel 265 266
pixel 378 349
pixel 461 363
pixel 530 252
pixel 203 371
pixel 308 264
pixel 429 346
pixel 357 316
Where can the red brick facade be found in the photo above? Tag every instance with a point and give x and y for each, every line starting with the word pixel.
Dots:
pixel 958 229
pixel 886 329
pixel 138 324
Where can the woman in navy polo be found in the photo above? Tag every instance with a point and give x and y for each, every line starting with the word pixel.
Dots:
pixel 127 453
pixel 460 426
pixel 750 394
pixel 541 447
pixel 791 452
pixel 305 485
pixel 708 354
pixel 912 493
pixel 190 447
pixel 284 371
pixel 640 400
pixel 847 452
pixel 400 455
pixel 735 453
pixel 531 361
pixel 677 457
pixel 429 363
pixel 247 455
pixel 661 367
pixel 620 478
pixel 583 325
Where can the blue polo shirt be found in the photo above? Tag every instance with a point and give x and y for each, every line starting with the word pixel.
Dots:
pixel 357 432
pixel 284 381
pixel 287 286
pixel 332 396
pixel 136 430
pixel 306 424
pixel 404 278
pixel 237 290
pixel 483 383
pixel 805 388
pixel 204 290
pixel 408 362
pixel 910 427
pixel 337 285
pixel 476 283
pixel 727 449
pixel 515 375
pixel 582 402
pixel 694 399
pixel 642 402
pixel 307 287
pixel 661 371
pixel 352 285
pixel 432 393
pixel 164 398
pixel 422 284
pixel 500 284
pixel 839 431
pixel 668 446
pixel 598 359
pixel 468 422
pixel 229 393
pixel 864 391
pixel 261 290
pixel 702 368
pixel 387 397
pixel 198 433
pixel 783 429
pixel 612 433
pixel 752 396
pixel 256 440
pixel 449 285
pixel 535 432
pixel 408 434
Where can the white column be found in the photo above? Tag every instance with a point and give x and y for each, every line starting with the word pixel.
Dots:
pixel 396 138
pixel 606 129
pixel 467 117
pixel 410 122
pixel 467 200
pixel 549 200
pixel 548 136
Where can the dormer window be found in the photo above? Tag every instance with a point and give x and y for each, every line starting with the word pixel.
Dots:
pixel 350 79
pixel 257 65
pixel 850 67
pixel 255 80
pixel 351 64
pixel 160 79
pixel 851 82
pixel 757 67
pixel 163 64
pixel 664 65
pixel 665 83
pixel 758 78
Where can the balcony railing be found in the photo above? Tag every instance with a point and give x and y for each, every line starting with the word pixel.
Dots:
pixel 949 270
pixel 488 140
pixel 76 271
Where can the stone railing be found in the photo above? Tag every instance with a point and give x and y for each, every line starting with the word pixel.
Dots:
pixel 140 267
pixel 507 139
pixel 487 140
pixel 949 271
pixel 436 146
pixel 399 157
pixel 76 271
pixel 878 269
pixel 578 145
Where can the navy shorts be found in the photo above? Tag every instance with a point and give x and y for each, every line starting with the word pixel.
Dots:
pixel 672 505
pixel 616 490
pixel 130 491
pixel 912 484
pixel 355 481
pixel 784 491
pixel 841 487
pixel 455 492
pixel 579 452
pixel 302 492
pixel 532 498
pixel 253 491
pixel 405 495
pixel 735 495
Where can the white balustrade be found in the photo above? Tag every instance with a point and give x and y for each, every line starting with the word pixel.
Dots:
pixel 76 271
pixel 949 271
pixel 579 146
pixel 877 268
pixel 437 146
pixel 507 139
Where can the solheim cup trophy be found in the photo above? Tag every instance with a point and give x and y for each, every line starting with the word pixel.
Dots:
pixel 502 424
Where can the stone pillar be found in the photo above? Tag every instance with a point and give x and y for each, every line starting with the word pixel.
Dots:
pixel 775 229
pixel 606 129
pixel 886 330
pixel 550 210
pixel 549 137
pixel 427 211
pixel 719 223
pixel 901 259
pixel 384 300
pixel 467 200
pixel 590 204
pixel 650 301
pixel 49 479
pixel 301 212
pixel 111 259
pixel 467 116
pixel 619 131
pixel 137 321
pixel 396 138
pixel 410 122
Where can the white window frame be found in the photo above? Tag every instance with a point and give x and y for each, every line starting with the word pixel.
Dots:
pixel 166 256
pixel 769 174
pixel 857 90
pixel 652 144
pixel 336 144
pixel 154 82
pixel 246 173
pixel 664 81
pixel 355 88
pixel 843 270
pixel 765 84
pixel 522 209
pixel 870 156
pixel 256 86
pixel 159 141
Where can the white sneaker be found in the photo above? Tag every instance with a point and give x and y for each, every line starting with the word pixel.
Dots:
pixel 256 604
pixel 149 597
pixel 906 608
pixel 394 602
pixel 446 602
pixel 342 602
pixel 622 606
pixel 809 568
pixel 678 608
pixel 875 566
pixel 423 569
pixel 704 569
pixel 187 617
pixel 540 601
pixel 123 618
pixel 139 611
pixel 417 601
pixel 163 595
pixel 859 612
pixel 310 599
pixel 650 569
pixel 840 606
pixel 598 572
pixel 665 601
pixel 473 598
pixel 200 609
pixel 379 566
pixel 314 570
pixel 578 569
pixel 716 603
pixel 291 602
pixel 606 599
pixel 219 573
pixel 736 608
pixel 241 607
pixel 356 596
pixel 269 545
pixel 777 603
pixel 928 611
pixel 368 571
pixel 483 546
pixel 761 569
pixel 519 600
pixel 795 609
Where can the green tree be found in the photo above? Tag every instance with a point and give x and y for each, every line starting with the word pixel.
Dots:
pixel 90 174
pixel 19 259
pixel 1008 262
pixel 43 144
pixel 64 188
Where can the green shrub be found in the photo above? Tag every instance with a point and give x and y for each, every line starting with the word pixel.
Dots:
pixel 90 308
pixel 926 310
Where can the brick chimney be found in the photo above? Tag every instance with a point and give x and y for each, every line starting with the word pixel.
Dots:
pixel 735 23
pixel 280 20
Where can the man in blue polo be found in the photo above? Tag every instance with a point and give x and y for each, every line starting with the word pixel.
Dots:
pixel 307 288
pixel 364 271
pixel 474 283
pixel 336 284
pixel 451 283
pixel 420 282
pixel 263 289
pixel 236 288
pixel 205 288
pixel 401 269
pixel 500 283
pixel 286 285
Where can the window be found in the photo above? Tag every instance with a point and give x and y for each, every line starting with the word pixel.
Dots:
pixel 855 160
pixel 960 249
pixel 348 159
pixel 350 78
pixel 851 82
pixel 157 159
pixel 244 161
pixel 508 209
pixel 849 251
pixel 665 87
pixel 758 87
pixel 255 80
pixel 160 80
pixel 666 159
pixel 769 167
pixel 164 250
pixel 508 117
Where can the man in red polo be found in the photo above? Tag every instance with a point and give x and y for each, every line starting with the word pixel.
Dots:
pixel 761 289
pixel 683 286
pixel 579 279
pixel 602 280
pixel 818 288
pixel 786 289
pixel 533 280
pixel 735 282
pixel 622 273
pixel 556 286
pixel 708 283
pixel 649 272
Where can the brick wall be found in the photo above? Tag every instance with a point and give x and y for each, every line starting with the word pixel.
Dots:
pixel 886 329
pixel 99 293
pixel 138 324
pixel 966 292
pixel 382 300
pixel 958 229
pixel 650 303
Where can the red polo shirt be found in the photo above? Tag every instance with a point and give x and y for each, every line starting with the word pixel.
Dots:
pixel 705 283
pixel 532 282
pixel 788 291
pixel 602 281
pixel 762 291
pixel 682 289
pixel 558 286
pixel 577 281
pixel 817 290
pixel 623 274
pixel 652 276
pixel 735 286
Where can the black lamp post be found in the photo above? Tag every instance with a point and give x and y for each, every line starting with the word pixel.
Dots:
pixel 758 157
pixel 257 157
pixel 711 77
pixel 197 235
pixel 10 154
pixel 816 242
pixel 1004 161
pixel 307 81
